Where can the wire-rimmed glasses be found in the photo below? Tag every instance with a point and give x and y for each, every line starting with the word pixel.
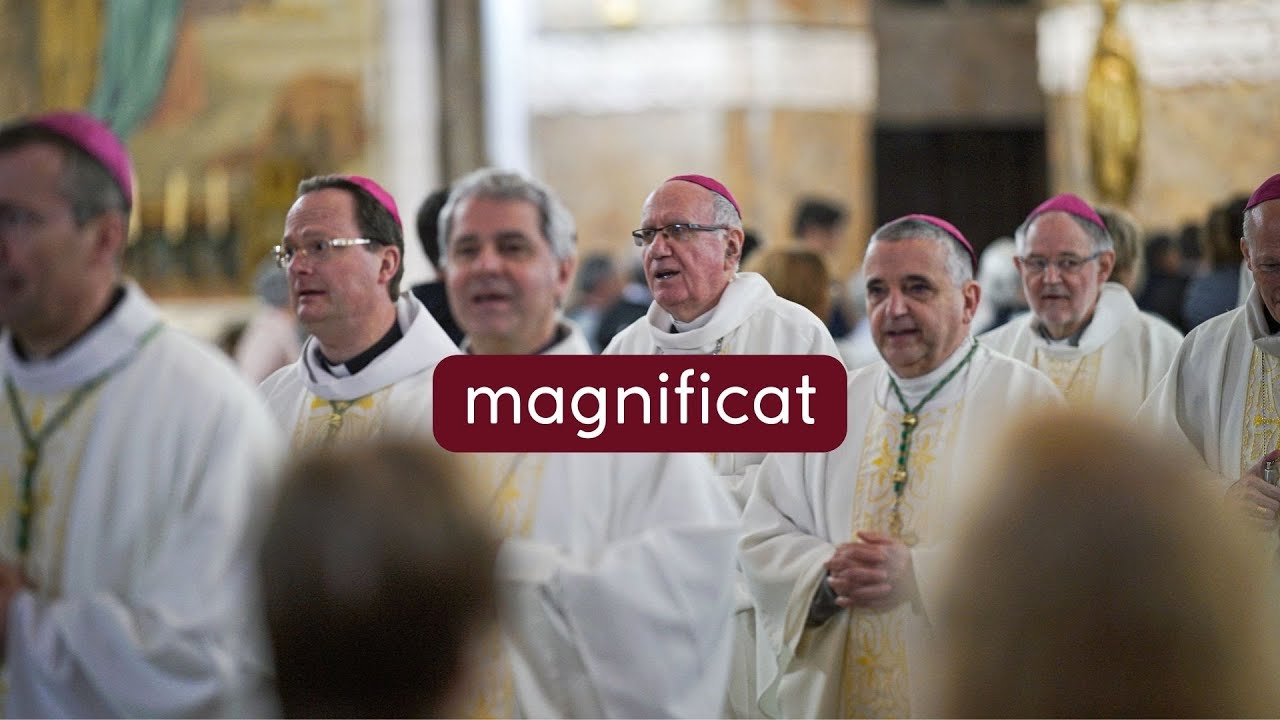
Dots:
pixel 317 250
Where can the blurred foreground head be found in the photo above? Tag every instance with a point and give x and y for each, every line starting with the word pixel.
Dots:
pixel 1098 578
pixel 377 579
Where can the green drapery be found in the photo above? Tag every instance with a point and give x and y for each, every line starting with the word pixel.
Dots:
pixel 137 45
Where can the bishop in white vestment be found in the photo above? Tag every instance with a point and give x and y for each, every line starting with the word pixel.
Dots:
pixel 368 365
pixel 153 460
pixel 1116 361
pixel 868 663
pixel 134 461
pixel 616 569
pixel 1085 333
pixel 692 241
pixel 841 550
pixel 1218 401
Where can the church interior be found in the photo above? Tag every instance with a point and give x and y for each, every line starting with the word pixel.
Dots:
pixel 969 109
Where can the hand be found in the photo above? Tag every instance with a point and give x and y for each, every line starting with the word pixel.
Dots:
pixel 1256 499
pixel 11 582
pixel 874 573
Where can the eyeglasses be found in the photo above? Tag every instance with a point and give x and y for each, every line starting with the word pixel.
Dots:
pixel 678 232
pixel 317 250
pixel 1066 264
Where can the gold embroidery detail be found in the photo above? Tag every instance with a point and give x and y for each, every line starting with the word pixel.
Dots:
pixel 509 486
pixel 875 678
pixel 325 421
pixel 1076 378
pixel 1260 429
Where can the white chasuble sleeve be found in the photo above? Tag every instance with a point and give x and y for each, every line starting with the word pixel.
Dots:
pixel 645 614
pixel 157 617
pixel 1197 407
pixel 783 550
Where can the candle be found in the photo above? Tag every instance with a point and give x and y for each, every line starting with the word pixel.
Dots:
pixel 176 192
pixel 217 201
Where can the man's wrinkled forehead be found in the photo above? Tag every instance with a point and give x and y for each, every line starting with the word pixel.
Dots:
pixel 678 200
pixel 1060 226
pixel 895 260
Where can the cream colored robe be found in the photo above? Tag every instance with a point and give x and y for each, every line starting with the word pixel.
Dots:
pixel 1218 400
pixel 862 663
pixel 749 320
pixel 145 503
pixel 1122 354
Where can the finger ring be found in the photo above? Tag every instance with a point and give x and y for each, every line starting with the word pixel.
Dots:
pixel 1263 509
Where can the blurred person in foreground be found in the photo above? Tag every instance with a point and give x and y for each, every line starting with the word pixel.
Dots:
pixel 377 579
pixel 1094 578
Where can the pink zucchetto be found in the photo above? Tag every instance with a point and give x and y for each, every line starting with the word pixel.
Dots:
pixel 97 140
pixel 713 185
pixel 382 196
pixel 1268 190
pixel 1070 204
pixel 951 230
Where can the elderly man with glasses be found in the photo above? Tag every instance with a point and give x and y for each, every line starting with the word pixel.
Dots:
pixel 691 239
pixel 370 358
pixel 691 235
pixel 1084 332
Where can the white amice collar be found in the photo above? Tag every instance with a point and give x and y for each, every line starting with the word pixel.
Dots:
pixel 744 295
pixel 422 345
pixel 913 389
pixel 1115 308
pixel 109 343
pixel 694 324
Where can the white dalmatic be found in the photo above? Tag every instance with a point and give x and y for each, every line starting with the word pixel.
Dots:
pixel 864 663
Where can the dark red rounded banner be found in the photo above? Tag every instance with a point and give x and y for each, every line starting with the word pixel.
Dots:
pixel 640 403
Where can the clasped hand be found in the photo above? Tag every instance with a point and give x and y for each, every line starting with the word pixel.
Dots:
pixel 873 573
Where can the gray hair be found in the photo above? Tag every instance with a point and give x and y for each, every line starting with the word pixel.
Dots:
pixel 495 184
pixel 1098 236
pixel 958 264
pixel 726 214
